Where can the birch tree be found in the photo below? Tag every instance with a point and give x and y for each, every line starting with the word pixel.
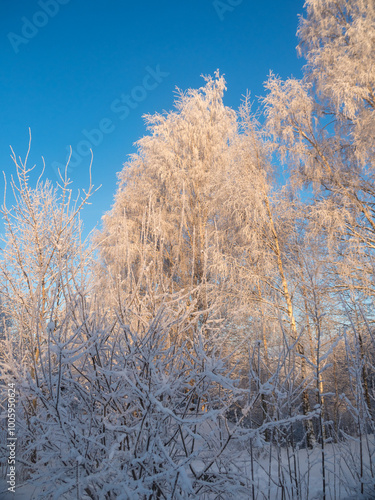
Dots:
pixel 325 124
pixel 161 233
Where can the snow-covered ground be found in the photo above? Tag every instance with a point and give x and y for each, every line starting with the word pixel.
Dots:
pixel 301 473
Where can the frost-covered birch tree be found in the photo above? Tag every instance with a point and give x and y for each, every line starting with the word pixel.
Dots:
pixel 161 234
pixel 325 125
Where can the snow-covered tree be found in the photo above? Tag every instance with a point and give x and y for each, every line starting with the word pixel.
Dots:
pixel 222 344
pixel 325 124
pixel 161 235
pixel 43 265
pixel 324 127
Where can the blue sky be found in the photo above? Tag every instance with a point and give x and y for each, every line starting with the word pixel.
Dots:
pixel 83 73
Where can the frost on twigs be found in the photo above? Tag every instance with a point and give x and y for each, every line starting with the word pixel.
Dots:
pixel 220 344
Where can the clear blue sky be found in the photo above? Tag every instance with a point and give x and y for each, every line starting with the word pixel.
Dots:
pixel 71 66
